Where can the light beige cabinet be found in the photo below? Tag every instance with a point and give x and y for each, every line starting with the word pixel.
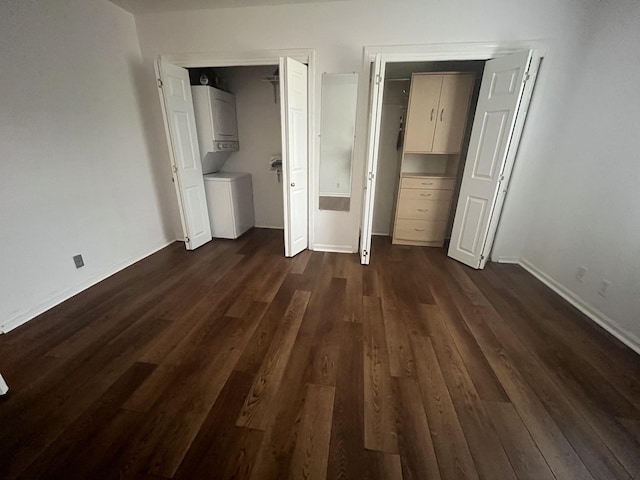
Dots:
pixel 436 122
pixel 422 211
pixel 437 113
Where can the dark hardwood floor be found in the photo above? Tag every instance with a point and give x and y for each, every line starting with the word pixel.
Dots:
pixel 235 362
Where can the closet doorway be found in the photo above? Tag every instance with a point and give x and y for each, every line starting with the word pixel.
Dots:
pixel 451 166
pixel 292 89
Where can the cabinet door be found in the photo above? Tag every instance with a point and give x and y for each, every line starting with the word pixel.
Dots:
pixel 422 114
pixel 452 113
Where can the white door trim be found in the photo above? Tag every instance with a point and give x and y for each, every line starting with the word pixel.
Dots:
pixel 452 51
pixel 376 92
pixel 266 57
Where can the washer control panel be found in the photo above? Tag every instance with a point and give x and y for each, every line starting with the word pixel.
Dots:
pixel 225 146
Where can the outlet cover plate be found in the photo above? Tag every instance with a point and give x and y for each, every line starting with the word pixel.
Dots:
pixel 77 259
pixel 581 273
pixel 604 288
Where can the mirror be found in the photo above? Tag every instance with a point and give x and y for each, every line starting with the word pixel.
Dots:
pixel 337 130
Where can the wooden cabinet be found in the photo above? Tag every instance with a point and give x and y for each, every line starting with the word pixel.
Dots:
pixel 437 114
pixel 436 123
pixel 422 112
pixel 423 209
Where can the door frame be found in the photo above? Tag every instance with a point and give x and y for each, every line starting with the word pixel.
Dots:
pixel 257 58
pixel 439 53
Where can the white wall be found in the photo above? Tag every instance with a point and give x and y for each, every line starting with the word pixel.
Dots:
pixel 338 32
pixel 259 134
pixel 587 176
pixel 76 175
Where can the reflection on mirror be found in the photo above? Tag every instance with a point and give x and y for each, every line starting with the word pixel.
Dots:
pixel 337 130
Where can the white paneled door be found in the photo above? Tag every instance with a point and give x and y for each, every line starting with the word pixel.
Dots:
pixel 375 117
pixel 295 152
pixel 180 122
pixel 501 93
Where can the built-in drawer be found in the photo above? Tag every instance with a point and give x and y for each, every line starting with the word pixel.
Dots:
pixel 420 230
pixel 421 194
pixel 436 183
pixel 422 209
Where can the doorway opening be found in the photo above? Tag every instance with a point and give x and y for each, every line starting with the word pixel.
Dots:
pixel 238 135
pixel 400 157
pixel 443 133
pixel 258 157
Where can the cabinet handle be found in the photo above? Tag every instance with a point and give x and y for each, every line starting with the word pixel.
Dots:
pixel 425 183
pixel 423 209
pixel 441 113
pixel 432 111
pixel 419 229
pixel 425 194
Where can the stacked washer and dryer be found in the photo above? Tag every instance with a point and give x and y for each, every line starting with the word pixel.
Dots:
pixel 229 194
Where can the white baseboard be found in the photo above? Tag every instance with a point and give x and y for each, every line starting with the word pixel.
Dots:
pixel 4 388
pixel 269 226
pixel 321 247
pixel 628 338
pixel 23 317
pixel 505 259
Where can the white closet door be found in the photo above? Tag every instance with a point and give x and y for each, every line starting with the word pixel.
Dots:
pixel 295 155
pixel 502 88
pixel 375 101
pixel 180 123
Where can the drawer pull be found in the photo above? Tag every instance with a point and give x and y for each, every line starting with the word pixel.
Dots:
pixel 423 209
pixel 419 229
pixel 425 194
pixel 425 183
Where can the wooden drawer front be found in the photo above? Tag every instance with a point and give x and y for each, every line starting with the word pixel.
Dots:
pixel 420 230
pixel 411 194
pixel 428 183
pixel 423 209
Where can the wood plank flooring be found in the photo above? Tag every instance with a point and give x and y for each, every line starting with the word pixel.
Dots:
pixel 235 362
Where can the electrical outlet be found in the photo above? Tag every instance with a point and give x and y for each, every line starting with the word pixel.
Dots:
pixel 604 288
pixel 77 259
pixel 581 273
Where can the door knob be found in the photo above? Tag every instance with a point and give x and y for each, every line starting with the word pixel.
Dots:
pixel 293 184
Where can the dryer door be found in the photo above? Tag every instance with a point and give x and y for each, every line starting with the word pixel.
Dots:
pixel 225 123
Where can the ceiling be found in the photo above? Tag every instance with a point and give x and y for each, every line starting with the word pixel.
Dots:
pixel 152 6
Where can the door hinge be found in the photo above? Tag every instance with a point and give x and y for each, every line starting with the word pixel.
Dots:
pixel 501 178
pixel 187 239
pixel 371 176
pixel 365 253
pixel 481 257
pixel 378 79
pixel 159 83
pixel 525 77
pixel 174 168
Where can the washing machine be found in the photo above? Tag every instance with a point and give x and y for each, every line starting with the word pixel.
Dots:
pixel 230 203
